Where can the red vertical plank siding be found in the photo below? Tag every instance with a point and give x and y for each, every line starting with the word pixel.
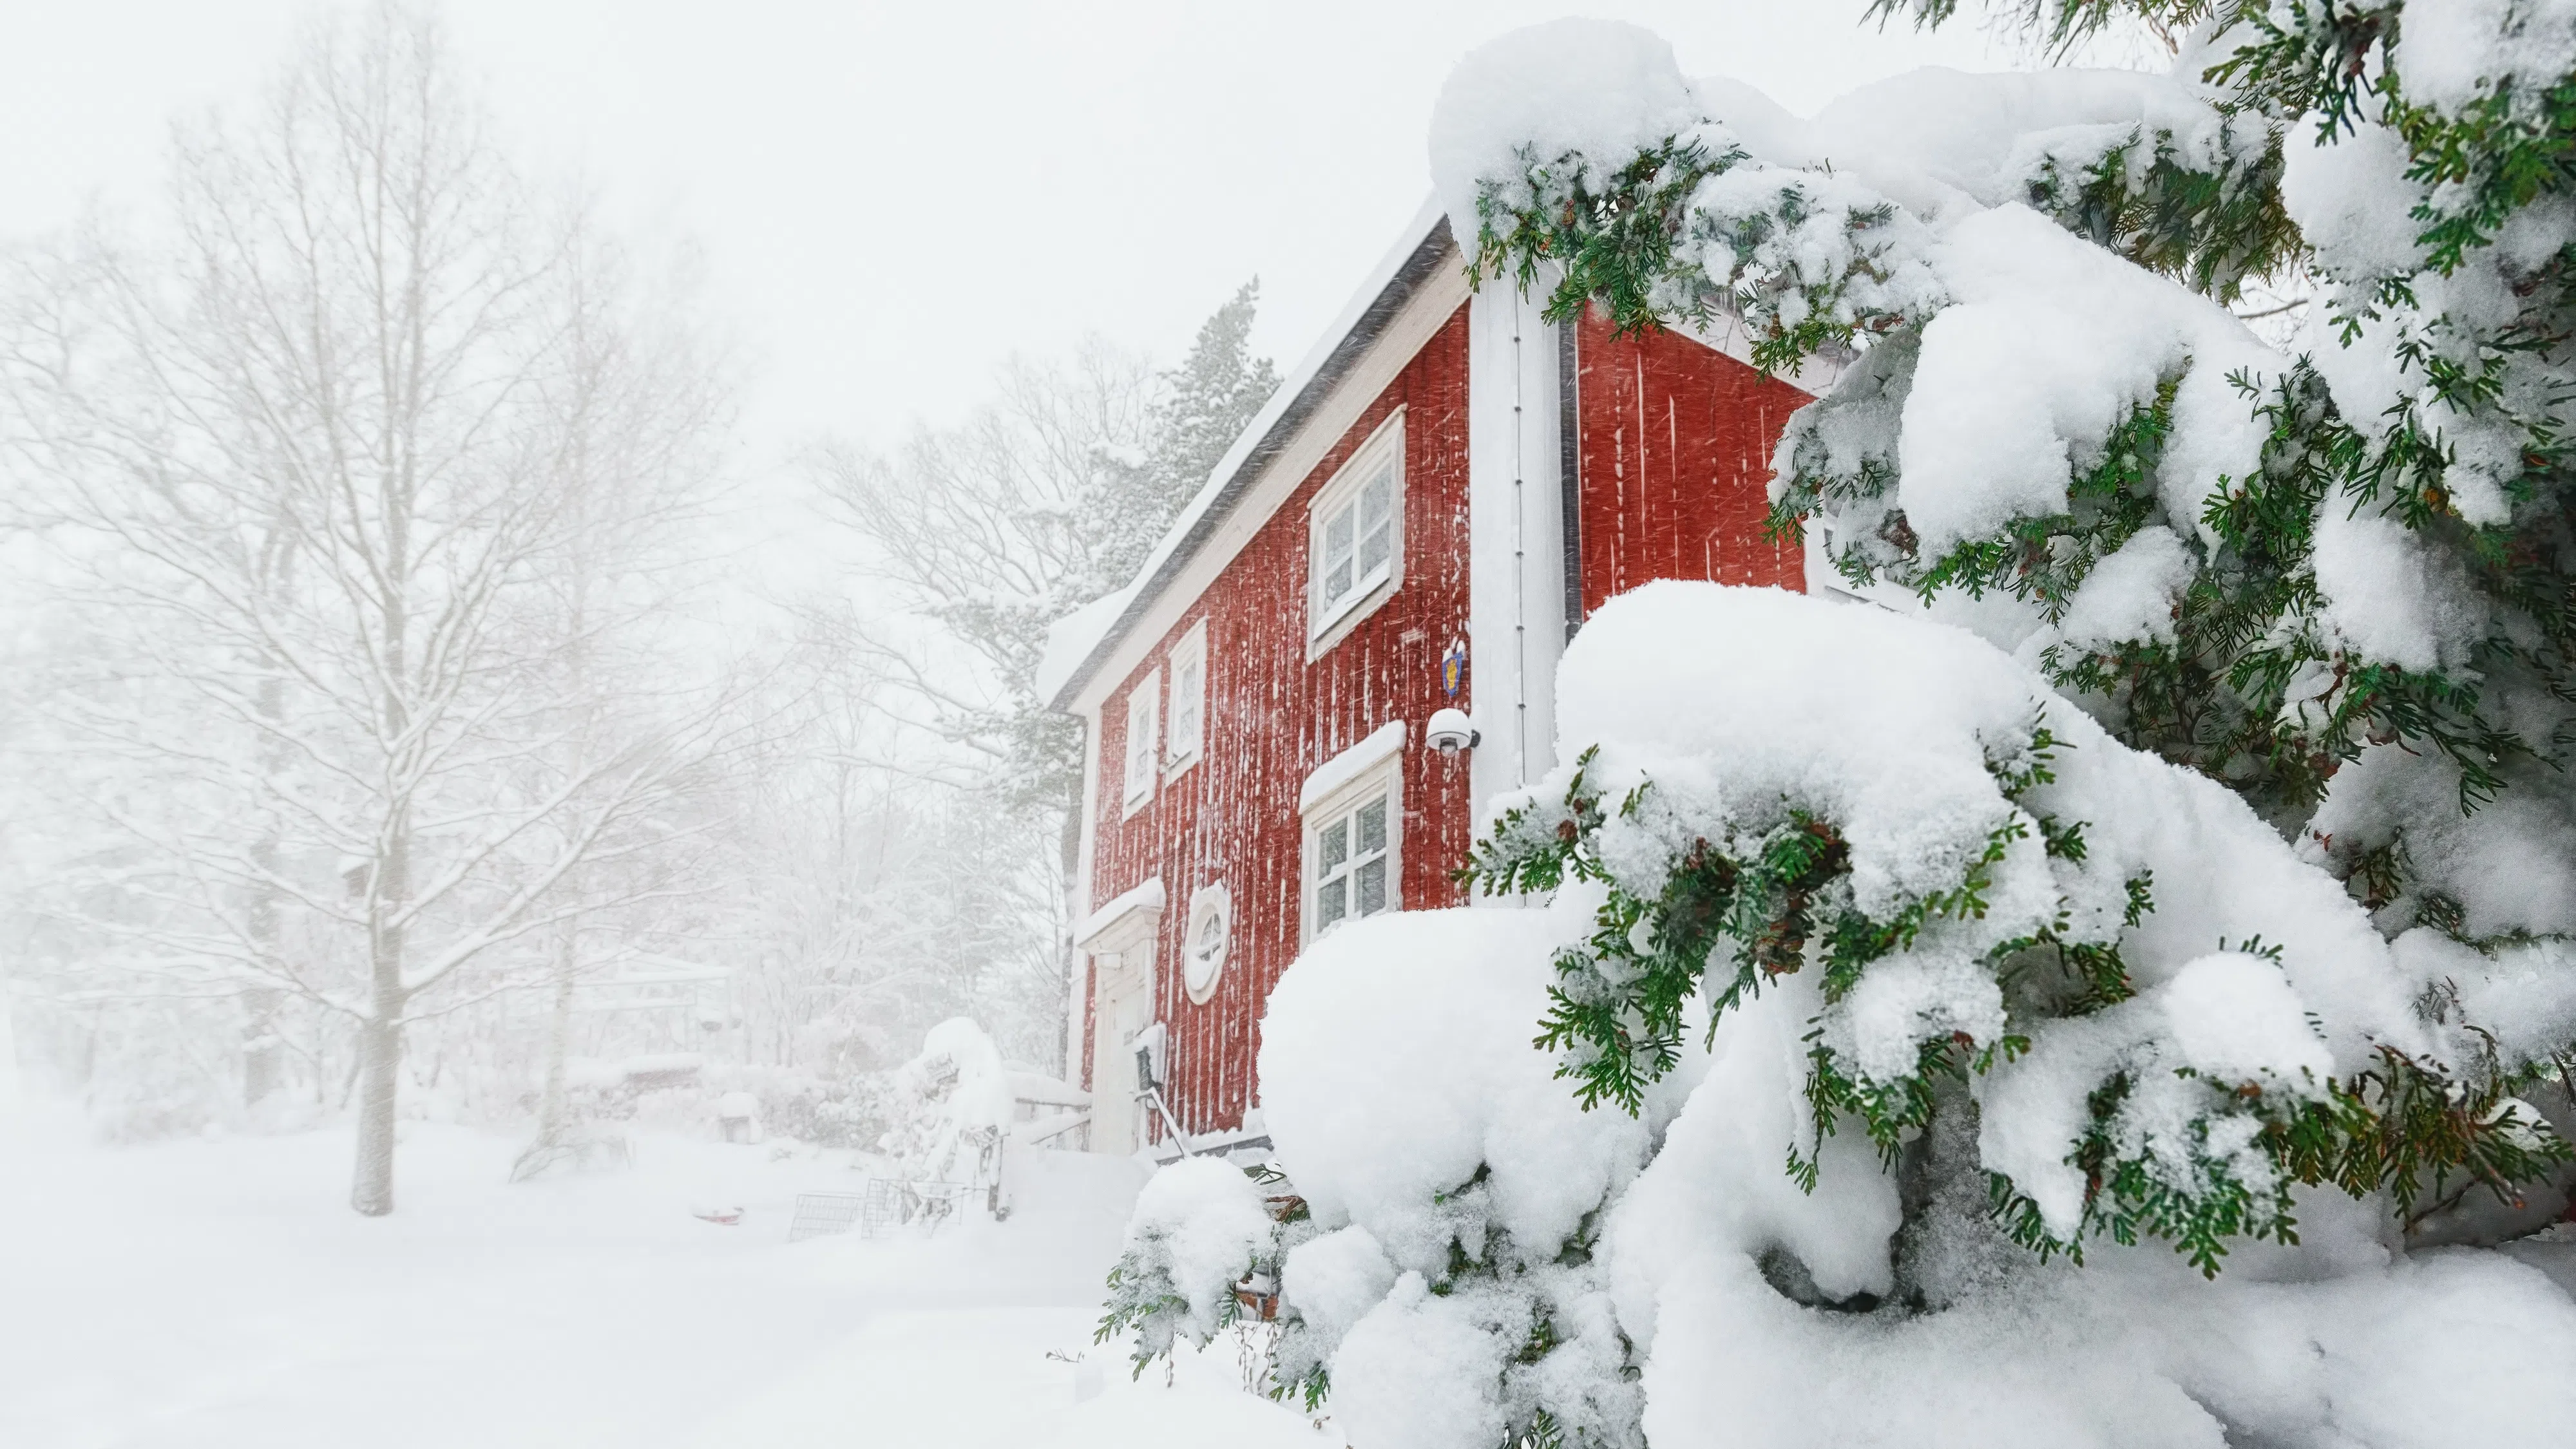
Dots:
pixel 1272 717
pixel 1675 444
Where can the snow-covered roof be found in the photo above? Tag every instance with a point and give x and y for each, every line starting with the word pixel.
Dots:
pixel 1082 640
pixel 1071 639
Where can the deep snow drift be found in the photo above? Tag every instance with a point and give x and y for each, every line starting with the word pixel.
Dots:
pixel 210 1294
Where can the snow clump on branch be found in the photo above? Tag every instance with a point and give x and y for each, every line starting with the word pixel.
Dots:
pixel 1482 1247
pixel 2215 891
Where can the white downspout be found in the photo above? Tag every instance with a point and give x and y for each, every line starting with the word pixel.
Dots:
pixel 1514 639
pixel 1520 562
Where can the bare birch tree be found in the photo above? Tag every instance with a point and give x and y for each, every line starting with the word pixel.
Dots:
pixel 369 463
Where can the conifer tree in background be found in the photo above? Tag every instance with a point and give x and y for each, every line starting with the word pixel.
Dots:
pixel 1204 404
pixel 2043 994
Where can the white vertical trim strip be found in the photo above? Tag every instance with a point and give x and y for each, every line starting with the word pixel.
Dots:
pixel 1516 619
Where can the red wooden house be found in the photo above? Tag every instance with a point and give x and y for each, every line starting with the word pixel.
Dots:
pixel 1418 521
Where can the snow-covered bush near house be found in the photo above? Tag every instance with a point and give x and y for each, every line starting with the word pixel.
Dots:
pixel 827 1109
pixel 1200 1228
pixel 1435 1150
pixel 1487 1259
pixel 936 1115
pixel 2335 582
pixel 2081 1030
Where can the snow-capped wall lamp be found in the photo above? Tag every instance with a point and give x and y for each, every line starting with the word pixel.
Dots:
pixel 1451 731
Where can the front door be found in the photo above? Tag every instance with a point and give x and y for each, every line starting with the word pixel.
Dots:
pixel 1124 1008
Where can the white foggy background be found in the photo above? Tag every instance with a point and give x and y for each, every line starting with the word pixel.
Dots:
pixel 883 205
pixel 890 199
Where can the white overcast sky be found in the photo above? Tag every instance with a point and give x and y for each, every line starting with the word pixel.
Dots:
pixel 890 198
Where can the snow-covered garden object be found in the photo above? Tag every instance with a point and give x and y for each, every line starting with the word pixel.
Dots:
pixel 2220 893
pixel 952 1108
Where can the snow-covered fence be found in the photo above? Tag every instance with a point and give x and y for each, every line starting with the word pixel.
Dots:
pixel 823 1214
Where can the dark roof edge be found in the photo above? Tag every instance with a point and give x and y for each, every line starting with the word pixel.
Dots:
pixel 1435 247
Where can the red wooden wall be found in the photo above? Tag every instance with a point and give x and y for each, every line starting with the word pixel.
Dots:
pixel 1272 717
pixel 1675 445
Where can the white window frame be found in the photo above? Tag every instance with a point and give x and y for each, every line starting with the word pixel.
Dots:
pixel 1329 620
pixel 1379 782
pixel 1180 753
pixel 1145 703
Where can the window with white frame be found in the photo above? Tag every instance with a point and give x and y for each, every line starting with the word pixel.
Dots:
pixel 1186 736
pixel 1355 551
pixel 1353 849
pixel 1144 738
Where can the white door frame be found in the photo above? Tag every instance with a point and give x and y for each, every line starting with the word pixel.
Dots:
pixel 1122 976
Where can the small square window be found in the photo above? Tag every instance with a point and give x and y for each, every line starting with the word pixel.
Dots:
pixel 1351 847
pixel 1333 886
pixel 1186 732
pixel 1144 739
pixel 1356 547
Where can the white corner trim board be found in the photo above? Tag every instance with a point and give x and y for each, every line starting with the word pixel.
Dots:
pixel 1146 897
pixel 1350 764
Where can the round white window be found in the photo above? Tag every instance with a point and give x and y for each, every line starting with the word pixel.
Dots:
pixel 1203 947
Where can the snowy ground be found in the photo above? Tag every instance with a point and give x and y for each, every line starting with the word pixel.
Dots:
pixel 214 1294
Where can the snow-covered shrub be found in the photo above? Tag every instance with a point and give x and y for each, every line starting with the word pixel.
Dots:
pixel 824 1108
pixel 1200 1228
pixel 2336 582
pixel 855 1112
pixel 1451 1275
pixel 131 1115
pixel 1892 947
pixel 1953 1008
pixel 2164 1019
pixel 937 1115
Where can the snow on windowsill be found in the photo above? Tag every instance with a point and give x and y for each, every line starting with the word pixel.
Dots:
pixel 1350 764
pixel 1367 593
pixel 1146 897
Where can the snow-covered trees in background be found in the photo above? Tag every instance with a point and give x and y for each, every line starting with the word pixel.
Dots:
pixel 394 717
pixel 1049 497
pixel 863 907
pixel 365 473
pixel 2065 994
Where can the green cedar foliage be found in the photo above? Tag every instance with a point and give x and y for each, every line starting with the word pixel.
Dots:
pixel 2252 689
